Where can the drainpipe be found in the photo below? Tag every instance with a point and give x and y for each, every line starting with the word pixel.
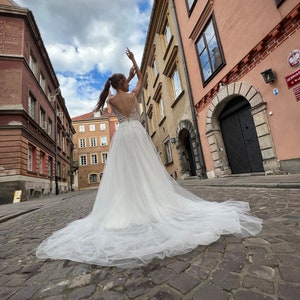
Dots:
pixel 194 117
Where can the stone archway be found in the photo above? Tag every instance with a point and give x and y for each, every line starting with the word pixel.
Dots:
pixel 187 145
pixel 258 111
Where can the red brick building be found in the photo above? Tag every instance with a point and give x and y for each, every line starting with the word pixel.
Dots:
pixel 35 126
pixel 243 64
pixel 91 146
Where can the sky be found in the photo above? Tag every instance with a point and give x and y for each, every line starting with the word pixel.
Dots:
pixel 86 42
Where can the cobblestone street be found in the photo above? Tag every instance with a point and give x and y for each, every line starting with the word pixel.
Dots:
pixel 263 267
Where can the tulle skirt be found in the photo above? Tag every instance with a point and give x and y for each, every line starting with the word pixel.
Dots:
pixel 141 212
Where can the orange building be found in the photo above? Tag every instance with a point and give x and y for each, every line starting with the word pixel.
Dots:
pixel 35 126
pixel 243 61
pixel 91 146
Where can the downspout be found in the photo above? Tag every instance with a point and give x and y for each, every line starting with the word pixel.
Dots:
pixel 190 96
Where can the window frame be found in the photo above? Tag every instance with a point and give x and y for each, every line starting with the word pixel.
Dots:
pixel 216 36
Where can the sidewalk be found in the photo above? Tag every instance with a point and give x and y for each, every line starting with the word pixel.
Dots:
pixel 254 181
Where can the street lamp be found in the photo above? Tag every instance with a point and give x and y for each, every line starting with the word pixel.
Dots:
pixel 53 98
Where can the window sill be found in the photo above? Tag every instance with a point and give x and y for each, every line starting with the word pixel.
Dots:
pixel 162 121
pixel 177 99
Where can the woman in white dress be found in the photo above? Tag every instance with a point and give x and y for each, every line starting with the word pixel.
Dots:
pixel 141 212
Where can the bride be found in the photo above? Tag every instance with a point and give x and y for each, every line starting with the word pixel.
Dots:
pixel 140 212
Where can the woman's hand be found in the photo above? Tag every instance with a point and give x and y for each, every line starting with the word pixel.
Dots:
pixel 129 54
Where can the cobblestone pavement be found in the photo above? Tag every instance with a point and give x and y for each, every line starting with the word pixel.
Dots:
pixel 263 267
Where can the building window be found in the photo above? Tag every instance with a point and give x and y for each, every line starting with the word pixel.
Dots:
pixel 50 166
pixel 93 178
pixel 63 175
pixel 58 171
pixel 83 160
pixel 102 126
pixel 31 106
pixel 176 83
pixel 49 130
pixel 93 142
pixel 168 151
pixel 92 127
pixel 104 158
pixel 101 175
pixel 42 164
pixel 155 71
pixel 33 64
pixel 103 141
pixel 82 143
pixel 43 82
pixel 167 34
pixel 81 128
pixel 31 159
pixel 209 52
pixel 94 159
pixel 63 143
pixel 43 122
pixel 160 110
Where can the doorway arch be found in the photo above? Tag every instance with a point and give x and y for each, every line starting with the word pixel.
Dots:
pixel 187 144
pixel 258 111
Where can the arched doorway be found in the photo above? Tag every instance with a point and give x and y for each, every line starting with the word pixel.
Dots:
pixel 240 137
pixel 188 165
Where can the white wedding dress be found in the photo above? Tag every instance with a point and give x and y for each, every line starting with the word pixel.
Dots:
pixel 141 212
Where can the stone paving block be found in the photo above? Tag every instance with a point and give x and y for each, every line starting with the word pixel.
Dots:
pixel 179 266
pixel 7 292
pixel 26 292
pixel 210 292
pixel 159 276
pixel 163 293
pixel 16 280
pixel 183 282
pixel 82 293
pixel 138 287
pixel 110 296
pixel 80 280
pixel 290 274
pixel 263 285
pixel 231 266
pixel 226 280
pixel 53 289
pixel 197 272
pixel 289 260
pixel 250 295
pixel 262 272
pixel 288 292
pixel 265 259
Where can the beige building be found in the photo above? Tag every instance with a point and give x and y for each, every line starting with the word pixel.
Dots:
pixel 243 61
pixel 168 112
pixel 35 127
pixel 91 146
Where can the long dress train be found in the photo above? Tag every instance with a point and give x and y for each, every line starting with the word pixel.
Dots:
pixel 141 212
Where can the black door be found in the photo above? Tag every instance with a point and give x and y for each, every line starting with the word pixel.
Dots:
pixel 240 138
pixel 188 156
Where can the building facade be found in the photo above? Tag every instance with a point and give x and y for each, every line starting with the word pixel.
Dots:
pixel 35 126
pixel 171 120
pixel 243 61
pixel 92 140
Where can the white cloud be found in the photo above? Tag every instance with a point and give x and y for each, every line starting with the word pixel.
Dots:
pixel 82 36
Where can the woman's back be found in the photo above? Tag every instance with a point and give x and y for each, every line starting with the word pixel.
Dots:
pixel 123 103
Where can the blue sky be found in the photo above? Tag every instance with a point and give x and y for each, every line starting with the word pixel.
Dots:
pixel 86 42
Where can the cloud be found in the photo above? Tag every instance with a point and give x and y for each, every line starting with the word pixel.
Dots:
pixel 86 41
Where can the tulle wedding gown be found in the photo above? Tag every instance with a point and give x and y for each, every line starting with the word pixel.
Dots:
pixel 140 212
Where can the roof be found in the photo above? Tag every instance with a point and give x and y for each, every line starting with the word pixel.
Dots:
pixel 91 115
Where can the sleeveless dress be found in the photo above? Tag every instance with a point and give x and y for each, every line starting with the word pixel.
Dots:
pixel 141 212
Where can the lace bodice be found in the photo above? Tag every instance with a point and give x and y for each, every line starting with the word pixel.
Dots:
pixel 134 115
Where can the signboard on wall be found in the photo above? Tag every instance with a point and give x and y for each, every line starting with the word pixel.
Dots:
pixel 293 79
pixel 294 58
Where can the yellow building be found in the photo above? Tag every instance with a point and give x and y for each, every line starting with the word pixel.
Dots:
pixel 168 114
pixel 91 146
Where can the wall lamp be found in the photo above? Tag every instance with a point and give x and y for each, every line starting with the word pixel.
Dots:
pixel 268 76
pixel 173 140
